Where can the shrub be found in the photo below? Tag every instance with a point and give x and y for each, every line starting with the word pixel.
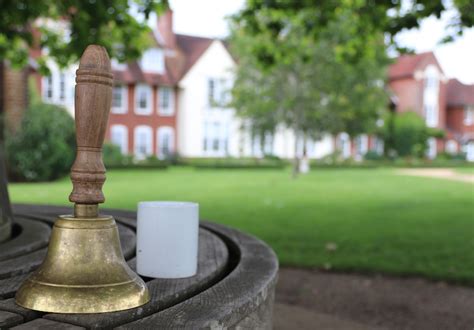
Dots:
pixel 409 135
pixel 373 155
pixel 44 147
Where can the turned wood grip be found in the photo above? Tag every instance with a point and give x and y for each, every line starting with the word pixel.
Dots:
pixel 92 105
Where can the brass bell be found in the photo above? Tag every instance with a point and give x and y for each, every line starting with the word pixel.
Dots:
pixel 84 270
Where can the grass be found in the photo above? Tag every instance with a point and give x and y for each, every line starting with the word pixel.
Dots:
pixel 364 220
pixel 465 170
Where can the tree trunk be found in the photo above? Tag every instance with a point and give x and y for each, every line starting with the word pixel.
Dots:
pixel 296 164
pixel 5 207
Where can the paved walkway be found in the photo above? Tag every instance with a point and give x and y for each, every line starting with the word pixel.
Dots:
pixel 441 173
pixel 310 299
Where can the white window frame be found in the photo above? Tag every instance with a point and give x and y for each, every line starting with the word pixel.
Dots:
pixel 148 91
pixel 468 148
pixel 451 147
pixel 122 130
pixel 160 132
pixel 153 60
pixel 468 118
pixel 142 129
pixel 166 111
pixel 344 145
pixel 362 144
pixel 218 96
pixel 48 87
pixel 62 87
pixel 124 99
pixel 431 96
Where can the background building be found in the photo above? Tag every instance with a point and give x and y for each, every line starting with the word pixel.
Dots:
pixel 175 100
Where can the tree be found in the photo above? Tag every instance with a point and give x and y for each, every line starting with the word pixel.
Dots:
pixel 329 79
pixel 105 22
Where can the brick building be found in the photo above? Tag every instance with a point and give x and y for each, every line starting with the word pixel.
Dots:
pixel 420 85
pixel 170 101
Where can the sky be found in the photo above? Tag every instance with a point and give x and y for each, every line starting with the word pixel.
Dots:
pixel 207 18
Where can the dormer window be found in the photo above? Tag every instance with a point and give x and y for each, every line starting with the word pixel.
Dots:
pixel 153 60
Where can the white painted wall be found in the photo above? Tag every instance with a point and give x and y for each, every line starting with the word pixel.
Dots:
pixel 194 109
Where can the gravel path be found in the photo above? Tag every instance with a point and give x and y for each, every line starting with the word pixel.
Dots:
pixel 441 173
pixel 310 299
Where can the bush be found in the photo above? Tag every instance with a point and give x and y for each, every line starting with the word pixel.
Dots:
pixel 410 135
pixel 44 147
pixel 234 163
pixel 373 155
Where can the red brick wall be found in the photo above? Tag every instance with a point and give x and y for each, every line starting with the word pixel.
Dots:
pixel 409 94
pixel 455 120
pixel 132 120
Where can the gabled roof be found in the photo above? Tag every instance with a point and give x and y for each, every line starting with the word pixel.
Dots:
pixel 406 65
pixel 459 94
pixel 192 47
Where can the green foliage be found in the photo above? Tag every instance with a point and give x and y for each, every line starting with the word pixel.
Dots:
pixel 373 155
pixel 234 163
pixel 106 22
pixel 114 159
pixel 43 149
pixel 409 134
pixel 387 17
pixel 327 77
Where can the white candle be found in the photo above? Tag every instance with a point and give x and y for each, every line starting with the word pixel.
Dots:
pixel 167 239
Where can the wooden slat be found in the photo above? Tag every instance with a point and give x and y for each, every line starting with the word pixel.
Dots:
pixel 46 324
pixel 22 264
pixel 9 305
pixel 34 235
pixel 213 257
pixel 8 320
pixel 245 295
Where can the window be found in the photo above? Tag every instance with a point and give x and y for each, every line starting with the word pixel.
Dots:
pixel 361 144
pixel 142 142
pixel 153 60
pixel 431 95
pixel 119 137
pixel 378 145
pixel 119 99
pixel 62 87
pixel 344 145
pixel 48 88
pixel 431 115
pixel 451 147
pixel 143 100
pixel 166 104
pixel 469 116
pixel 215 138
pixel 468 148
pixel 218 92
pixel 268 144
pixel 165 142
pixel 431 152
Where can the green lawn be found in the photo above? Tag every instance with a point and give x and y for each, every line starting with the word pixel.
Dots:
pixel 465 170
pixel 372 220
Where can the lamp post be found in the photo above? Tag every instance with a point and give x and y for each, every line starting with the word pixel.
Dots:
pixel 84 270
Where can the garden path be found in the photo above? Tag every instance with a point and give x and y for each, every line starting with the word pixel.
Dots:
pixel 312 299
pixel 442 173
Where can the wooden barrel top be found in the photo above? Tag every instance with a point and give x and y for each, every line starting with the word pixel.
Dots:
pixel 234 286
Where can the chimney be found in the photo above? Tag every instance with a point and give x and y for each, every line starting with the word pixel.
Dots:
pixel 165 28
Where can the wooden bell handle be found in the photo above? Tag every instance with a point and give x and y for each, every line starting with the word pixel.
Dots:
pixel 94 81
